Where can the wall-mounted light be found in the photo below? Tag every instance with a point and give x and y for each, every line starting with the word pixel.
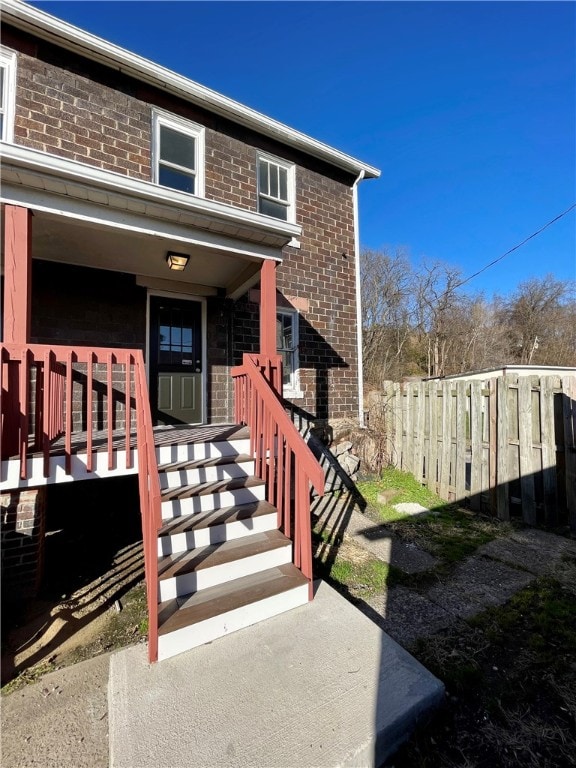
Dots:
pixel 177 261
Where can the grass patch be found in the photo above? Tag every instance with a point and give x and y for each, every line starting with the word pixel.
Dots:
pixel 349 568
pixel 510 676
pixel 449 532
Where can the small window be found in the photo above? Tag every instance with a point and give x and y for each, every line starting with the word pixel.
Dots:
pixel 275 188
pixel 178 154
pixel 287 346
pixel 7 90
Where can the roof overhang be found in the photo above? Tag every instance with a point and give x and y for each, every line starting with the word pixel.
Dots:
pixel 72 38
pixel 97 218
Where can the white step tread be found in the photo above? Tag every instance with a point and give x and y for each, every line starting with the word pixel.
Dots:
pixel 212 487
pixel 215 517
pixel 216 461
pixel 197 607
pixel 215 555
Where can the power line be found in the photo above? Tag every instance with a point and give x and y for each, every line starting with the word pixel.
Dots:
pixel 515 248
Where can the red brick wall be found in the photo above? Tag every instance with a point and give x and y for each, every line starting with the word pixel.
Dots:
pixel 23 526
pixel 82 111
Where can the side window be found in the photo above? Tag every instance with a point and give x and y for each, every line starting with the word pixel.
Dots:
pixel 276 188
pixel 178 153
pixel 287 346
pixel 7 94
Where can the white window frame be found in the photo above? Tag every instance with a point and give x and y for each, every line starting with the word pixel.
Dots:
pixel 292 389
pixel 181 125
pixel 291 169
pixel 8 65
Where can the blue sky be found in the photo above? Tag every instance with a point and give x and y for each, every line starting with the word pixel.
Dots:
pixel 468 108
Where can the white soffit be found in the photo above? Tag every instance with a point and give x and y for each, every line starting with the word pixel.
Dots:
pixel 74 39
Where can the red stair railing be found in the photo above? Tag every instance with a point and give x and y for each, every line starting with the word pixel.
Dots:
pixel 283 460
pixel 49 393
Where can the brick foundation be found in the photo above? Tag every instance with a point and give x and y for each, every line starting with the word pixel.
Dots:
pixel 22 538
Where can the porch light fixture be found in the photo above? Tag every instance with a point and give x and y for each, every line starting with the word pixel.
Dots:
pixel 177 261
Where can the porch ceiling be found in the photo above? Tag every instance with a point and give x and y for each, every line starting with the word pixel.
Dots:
pixel 56 238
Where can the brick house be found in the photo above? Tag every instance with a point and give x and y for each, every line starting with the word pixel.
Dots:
pixel 176 267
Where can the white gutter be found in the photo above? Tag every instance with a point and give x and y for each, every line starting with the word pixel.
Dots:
pixel 358 300
pixel 72 38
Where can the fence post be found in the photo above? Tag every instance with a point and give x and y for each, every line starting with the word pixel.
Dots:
pixel 569 418
pixel 502 500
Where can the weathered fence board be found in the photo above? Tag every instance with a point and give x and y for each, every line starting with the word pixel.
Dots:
pixel 507 444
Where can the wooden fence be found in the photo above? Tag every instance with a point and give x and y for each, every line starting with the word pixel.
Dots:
pixel 506 444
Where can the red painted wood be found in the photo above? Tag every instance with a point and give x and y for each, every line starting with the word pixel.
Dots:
pixel 89 407
pixel 17 273
pixel 68 421
pixel 272 432
pixel 268 309
pixel 24 413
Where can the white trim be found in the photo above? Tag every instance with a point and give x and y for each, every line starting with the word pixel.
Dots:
pixel 358 301
pixel 290 169
pixel 15 159
pixel 293 390
pixel 10 469
pixel 8 64
pixel 74 39
pixel 162 118
pixel 204 314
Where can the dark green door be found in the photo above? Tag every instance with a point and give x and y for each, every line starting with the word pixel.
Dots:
pixel 176 383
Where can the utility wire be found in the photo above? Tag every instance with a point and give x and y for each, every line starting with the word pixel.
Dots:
pixel 491 264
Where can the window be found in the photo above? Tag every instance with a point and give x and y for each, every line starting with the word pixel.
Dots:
pixel 7 90
pixel 275 188
pixel 287 345
pixel 178 152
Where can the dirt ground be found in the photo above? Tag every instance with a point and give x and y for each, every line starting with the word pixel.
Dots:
pixel 92 598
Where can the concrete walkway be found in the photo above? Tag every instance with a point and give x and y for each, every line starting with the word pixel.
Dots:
pixel 320 685
pixel 488 578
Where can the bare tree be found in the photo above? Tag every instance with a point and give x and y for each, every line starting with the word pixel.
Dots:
pixel 539 318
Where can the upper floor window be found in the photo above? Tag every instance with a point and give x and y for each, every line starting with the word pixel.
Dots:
pixel 7 92
pixel 276 188
pixel 178 153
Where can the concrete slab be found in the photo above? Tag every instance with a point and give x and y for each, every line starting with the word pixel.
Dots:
pixel 407 615
pixel 476 584
pixel 59 722
pixel 321 685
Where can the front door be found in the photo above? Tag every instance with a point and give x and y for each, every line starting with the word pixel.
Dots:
pixel 176 377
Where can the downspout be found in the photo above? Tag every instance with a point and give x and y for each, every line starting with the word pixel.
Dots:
pixel 358 300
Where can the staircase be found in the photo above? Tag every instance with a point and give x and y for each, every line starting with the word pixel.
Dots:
pixel 222 562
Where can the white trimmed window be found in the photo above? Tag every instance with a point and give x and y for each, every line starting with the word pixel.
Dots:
pixel 287 346
pixel 7 94
pixel 178 153
pixel 275 188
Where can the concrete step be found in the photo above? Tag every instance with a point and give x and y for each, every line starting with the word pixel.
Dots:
pixel 205 528
pixel 181 473
pixel 205 497
pixel 204 567
pixel 192 620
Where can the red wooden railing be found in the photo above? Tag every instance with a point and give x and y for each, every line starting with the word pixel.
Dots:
pixel 283 459
pixel 49 393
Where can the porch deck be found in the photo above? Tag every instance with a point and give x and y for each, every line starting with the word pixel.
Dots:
pixel 163 436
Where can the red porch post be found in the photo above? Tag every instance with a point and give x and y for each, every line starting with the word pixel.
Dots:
pixel 268 309
pixel 16 319
pixel 268 324
pixel 17 273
